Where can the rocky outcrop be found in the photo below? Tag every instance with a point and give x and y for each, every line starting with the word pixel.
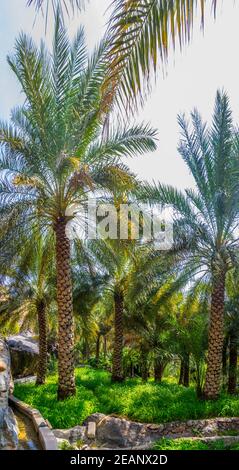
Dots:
pixel 24 355
pixel 8 425
pixel 122 433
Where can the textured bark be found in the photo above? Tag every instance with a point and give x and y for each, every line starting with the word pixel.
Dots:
pixel 105 346
pixel 117 372
pixel 232 377
pixel 97 351
pixel 215 339
pixel 42 359
pixel 224 358
pixel 158 370
pixel 181 373
pixel 66 382
pixel 186 371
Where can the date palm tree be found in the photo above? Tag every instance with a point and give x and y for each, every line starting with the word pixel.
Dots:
pixel 206 218
pixel 30 284
pixel 53 155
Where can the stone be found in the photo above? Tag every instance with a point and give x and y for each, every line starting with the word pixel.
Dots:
pixel 78 433
pixel 8 424
pixel 8 429
pixel 96 417
pixel 91 430
pixel 24 355
pixel 121 433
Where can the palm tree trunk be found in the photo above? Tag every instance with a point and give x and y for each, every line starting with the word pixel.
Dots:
pixel 158 370
pixel 42 359
pixel 232 378
pixel 186 370
pixel 66 383
pixel 224 358
pixel 181 373
pixel 117 372
pixel 105 346
pixel 97 351
pixel 215 339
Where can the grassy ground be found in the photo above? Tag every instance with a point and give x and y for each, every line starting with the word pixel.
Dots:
pixel 133 399
pixel 191 444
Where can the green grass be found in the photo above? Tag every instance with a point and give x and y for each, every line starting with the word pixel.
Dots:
pixel 191 444
pixel 133 399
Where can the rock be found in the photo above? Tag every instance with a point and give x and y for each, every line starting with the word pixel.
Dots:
pixel 210 430
pixel 91 430
pixel 78 433
pixel 121 433
pixel 24 355
pixel 63 434
pixel 8 429
pixel 8 425
pixel 95 417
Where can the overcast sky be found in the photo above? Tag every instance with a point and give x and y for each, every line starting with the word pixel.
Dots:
pixel 210 62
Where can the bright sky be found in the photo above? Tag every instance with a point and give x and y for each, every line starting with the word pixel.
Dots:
pixel 210 62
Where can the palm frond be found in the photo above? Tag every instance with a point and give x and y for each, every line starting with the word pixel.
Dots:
pixel 139 36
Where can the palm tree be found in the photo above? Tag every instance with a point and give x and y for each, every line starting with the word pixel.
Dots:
pixel 53 156
pixel 116 258
pixel 139 36
pixel 205 218
pixel 30 283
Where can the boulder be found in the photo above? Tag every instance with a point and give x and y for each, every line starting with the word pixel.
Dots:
pixel 8 424
pixel 119 432
pixel 24 355
pixel 72 435
pixel 8 429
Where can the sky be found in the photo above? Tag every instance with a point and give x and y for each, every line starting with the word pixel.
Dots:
pixel 193 75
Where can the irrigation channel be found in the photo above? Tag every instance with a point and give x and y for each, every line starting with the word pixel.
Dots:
pixel 28 439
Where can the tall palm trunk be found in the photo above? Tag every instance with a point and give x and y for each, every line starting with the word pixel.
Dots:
pixel 159 367
pixel 184 371
pixel 215 339
pixel 181 373
pixel 232 377
pixel 42 327
pixel 117 372
pixel 97 351
pixel 105 346
pixel 224 358
pixel 66 384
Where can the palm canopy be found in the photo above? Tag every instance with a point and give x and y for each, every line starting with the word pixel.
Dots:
pixel 139 35
pixel 52 152
pixel 29 282
pixel 206 218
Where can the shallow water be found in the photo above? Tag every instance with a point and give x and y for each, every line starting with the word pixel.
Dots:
pixel 27 436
